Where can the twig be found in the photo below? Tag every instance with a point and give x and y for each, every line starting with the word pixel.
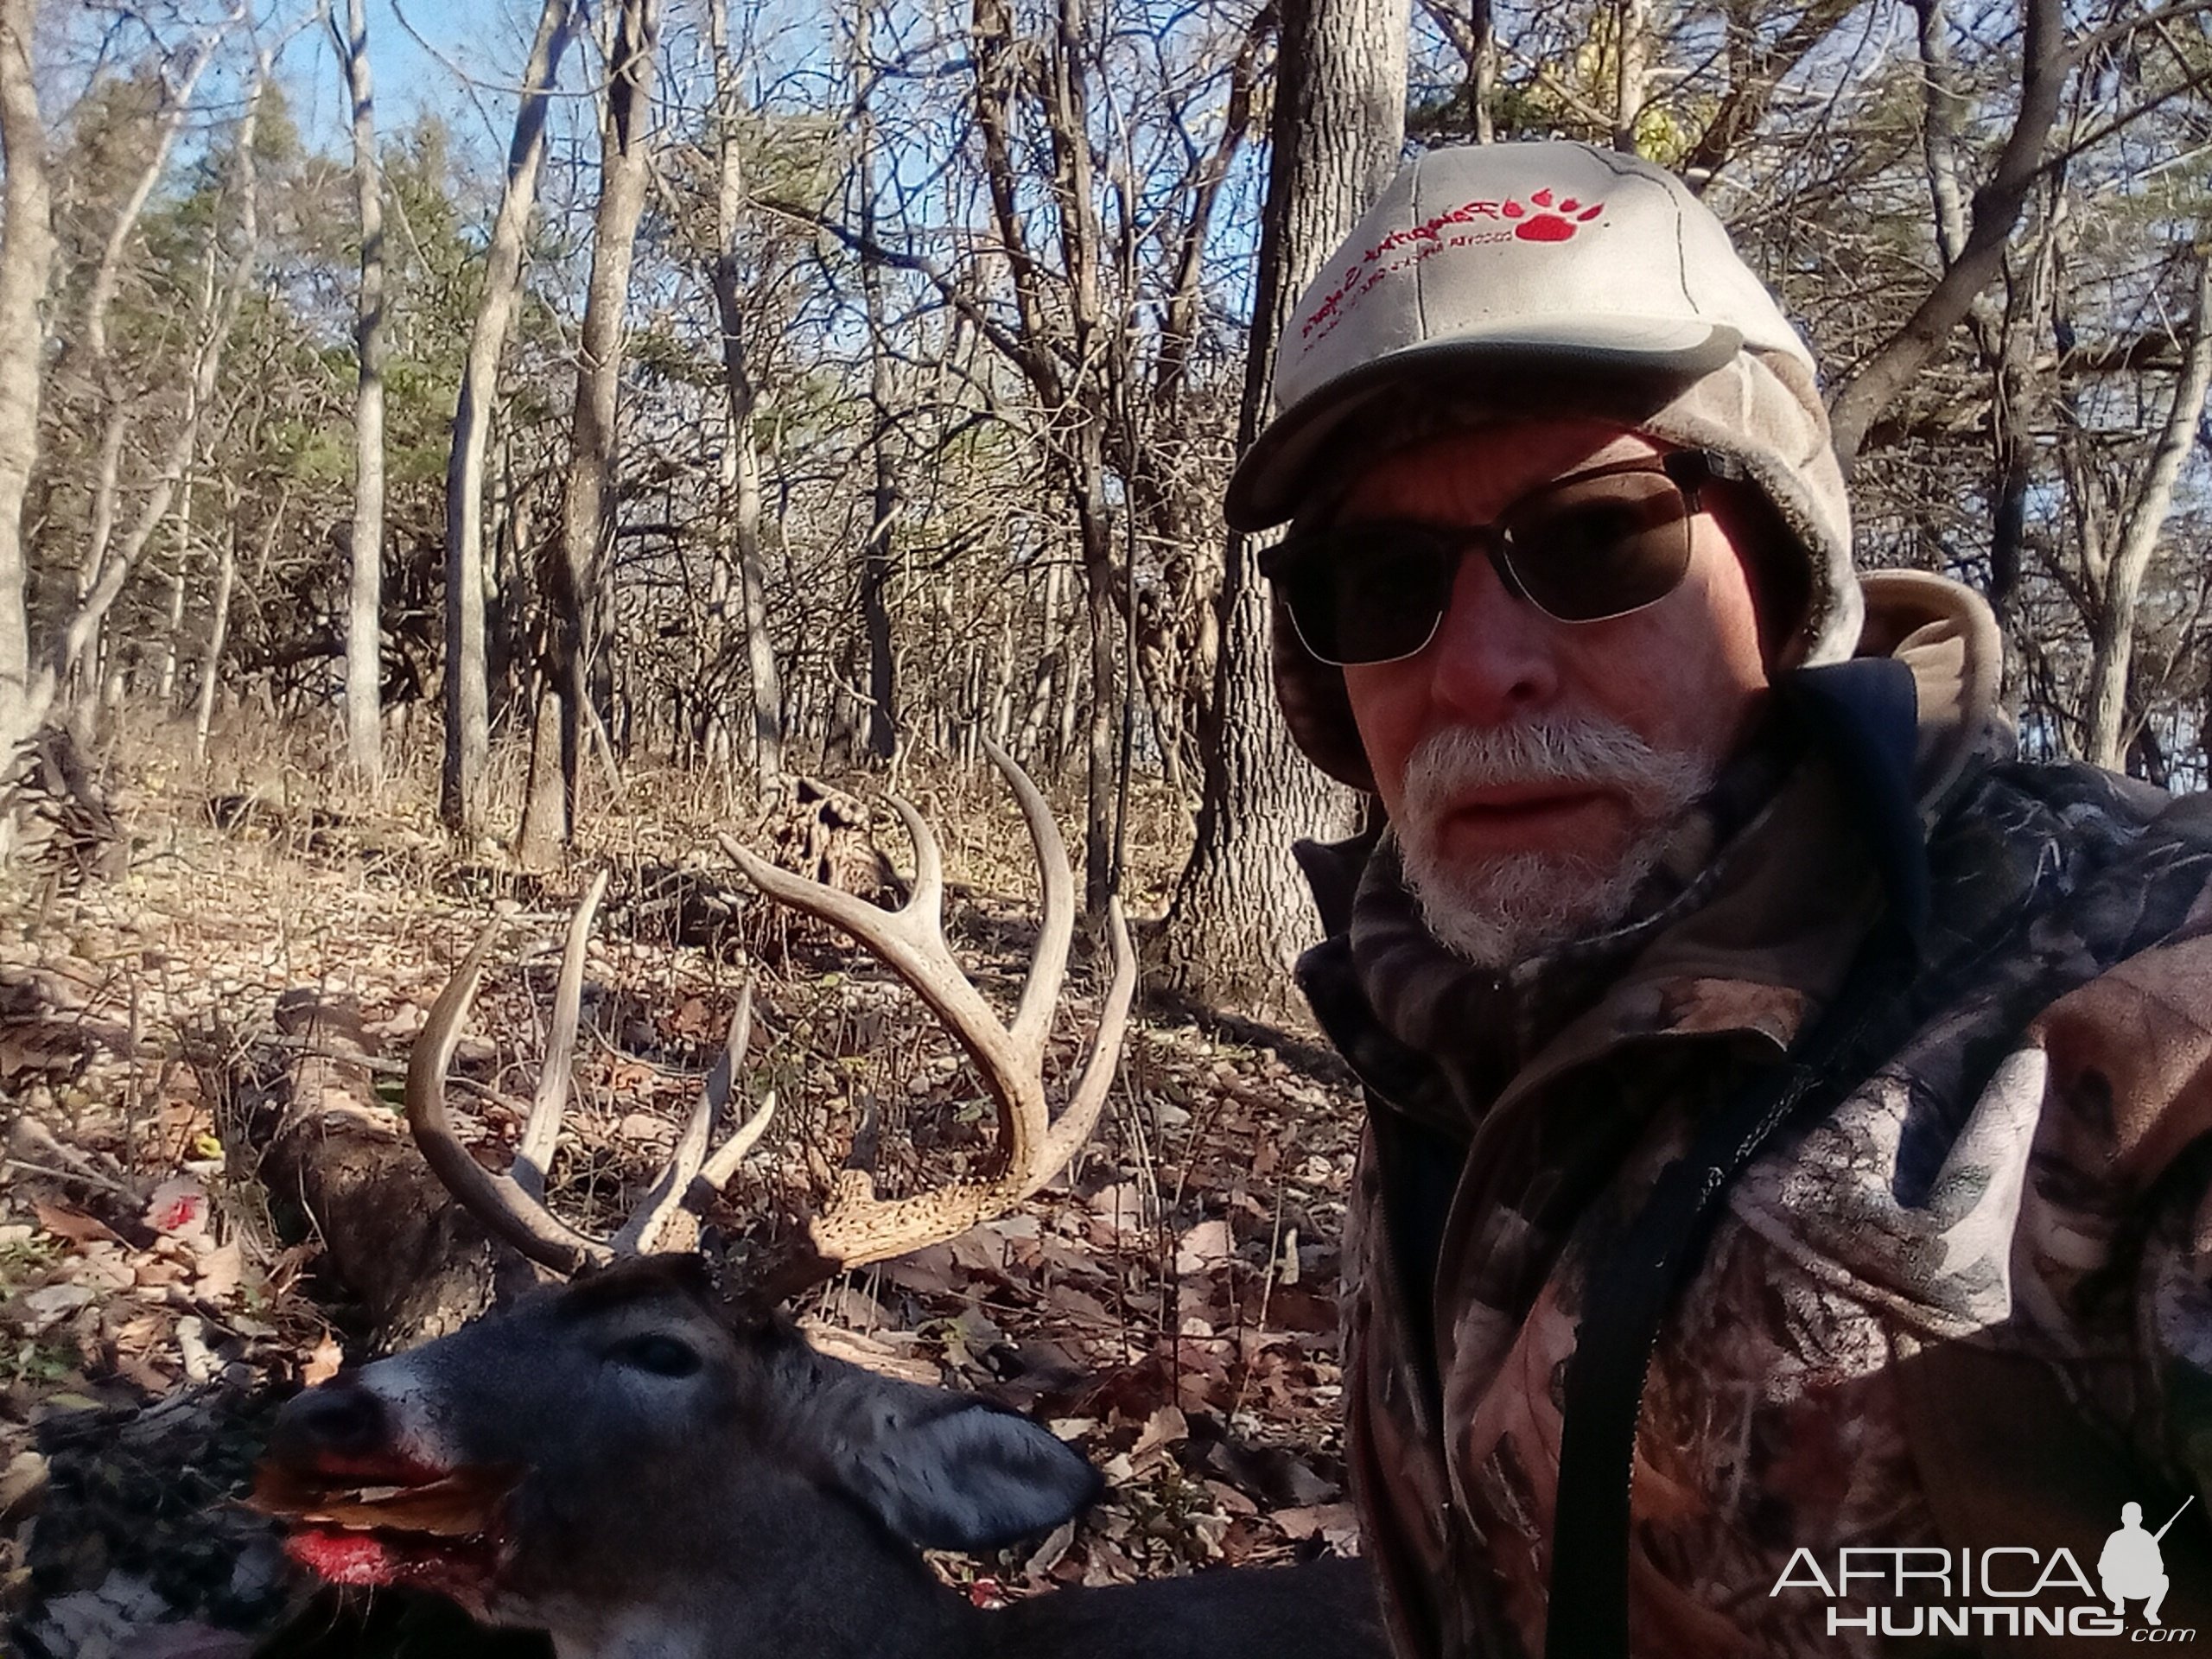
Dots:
pixel 105 1183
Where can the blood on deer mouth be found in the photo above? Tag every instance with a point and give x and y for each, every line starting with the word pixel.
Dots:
pixel 388 1522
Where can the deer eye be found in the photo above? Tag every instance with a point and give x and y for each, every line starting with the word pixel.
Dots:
pixel 662 1356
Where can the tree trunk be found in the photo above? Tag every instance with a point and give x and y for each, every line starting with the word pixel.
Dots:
pixel 1239 911
pixel 88 355
pixel 765 685
pixel 1631 27
pixel 587 495
pixel 1482 71
pixel 467 699
pixel 876 547
pixel 364 634
pixel 218 625
pixel 2114 640
pixel 26 258
pixel 537 844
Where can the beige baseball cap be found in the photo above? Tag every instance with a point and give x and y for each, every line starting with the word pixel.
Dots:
pixel 1502 260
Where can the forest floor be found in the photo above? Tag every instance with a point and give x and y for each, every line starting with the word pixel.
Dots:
pixel 1168 1305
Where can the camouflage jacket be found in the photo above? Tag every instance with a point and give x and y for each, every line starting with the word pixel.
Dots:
pixel 1967 1310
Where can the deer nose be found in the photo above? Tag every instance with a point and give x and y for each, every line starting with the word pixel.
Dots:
pixel 342 1418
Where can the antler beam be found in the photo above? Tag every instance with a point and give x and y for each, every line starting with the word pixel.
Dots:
pixel 856 1226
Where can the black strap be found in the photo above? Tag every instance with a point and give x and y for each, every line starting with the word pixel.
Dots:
pixel 1632 1286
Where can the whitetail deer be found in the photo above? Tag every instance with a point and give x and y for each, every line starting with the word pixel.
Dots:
pixel 643 1465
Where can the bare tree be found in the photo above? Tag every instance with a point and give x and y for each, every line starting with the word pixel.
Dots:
pixel 2126 564
pixel 2045 61
pixel 743 455
pixel 877 548
pixel 575 570
pixel 216 317
pixel 1240 910
pixel 467 695
pixel 26 258
pixel 364 613
pixel 1632 45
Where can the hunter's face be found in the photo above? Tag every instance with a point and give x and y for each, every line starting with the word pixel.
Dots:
pixel 1530 764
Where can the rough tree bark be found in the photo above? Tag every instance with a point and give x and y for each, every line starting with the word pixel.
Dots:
pixel 576 568
pixel 467 695
pixel 1240 910
pixel 26 259
pixel 2113 641
pixel 364 611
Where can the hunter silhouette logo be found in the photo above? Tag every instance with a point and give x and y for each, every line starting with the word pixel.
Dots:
pixel 1553 221
pixel 2131 1568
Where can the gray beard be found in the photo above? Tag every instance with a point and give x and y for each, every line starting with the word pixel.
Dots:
pixel 1500 910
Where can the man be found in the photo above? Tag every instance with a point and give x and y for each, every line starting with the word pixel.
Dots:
pixel 1785 1107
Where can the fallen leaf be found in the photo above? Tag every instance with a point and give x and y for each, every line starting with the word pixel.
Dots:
pixel 73 1225
pixel 51 1303
pixel 1330 1520
pixel 1207 1246
pixel 325 1363
pixel 179 1206
pixel 1164 1428
pixel 220 1271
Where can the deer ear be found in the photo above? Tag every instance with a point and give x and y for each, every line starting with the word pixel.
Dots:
pixel 962 1474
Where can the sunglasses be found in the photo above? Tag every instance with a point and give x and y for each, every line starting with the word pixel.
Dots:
pixel 1583 549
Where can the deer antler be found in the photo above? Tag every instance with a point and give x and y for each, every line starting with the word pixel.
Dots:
pixel 856 1226
pixel 513 1205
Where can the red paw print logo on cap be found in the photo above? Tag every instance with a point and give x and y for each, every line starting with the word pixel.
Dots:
pixel 1553 221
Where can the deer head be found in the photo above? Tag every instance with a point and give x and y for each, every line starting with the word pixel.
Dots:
pixel 621 1464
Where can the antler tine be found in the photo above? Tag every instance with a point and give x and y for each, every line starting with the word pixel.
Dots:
pixel 926 896
pixel 500 1202
pixel 541 1132
pixel 1048 966
pixel 723 1165
pixel 1073 1126
pixel 644 1230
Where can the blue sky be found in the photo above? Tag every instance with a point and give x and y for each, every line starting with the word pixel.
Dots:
pixel 459 58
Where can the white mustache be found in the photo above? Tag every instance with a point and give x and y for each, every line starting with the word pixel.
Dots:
pixel 1594 751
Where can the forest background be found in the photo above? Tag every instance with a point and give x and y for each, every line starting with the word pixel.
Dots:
pixel 665 416
pixel 817 390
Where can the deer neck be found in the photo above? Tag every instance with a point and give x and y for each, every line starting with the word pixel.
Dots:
pixel 783 1571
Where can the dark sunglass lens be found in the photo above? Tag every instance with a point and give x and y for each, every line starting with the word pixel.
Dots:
pixel 1601 547
pixel 1366 593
